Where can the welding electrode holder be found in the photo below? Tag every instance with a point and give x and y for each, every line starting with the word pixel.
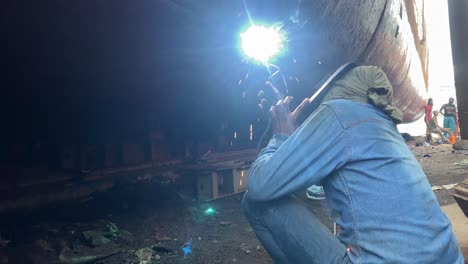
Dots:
pixel 321 88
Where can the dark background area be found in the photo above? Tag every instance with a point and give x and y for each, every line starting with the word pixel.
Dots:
pixel 100 71
pixel 110 72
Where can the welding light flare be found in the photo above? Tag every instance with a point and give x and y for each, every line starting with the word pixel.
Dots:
pixel 262 43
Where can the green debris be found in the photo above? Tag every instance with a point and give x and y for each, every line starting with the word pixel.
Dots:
pixel 106 232
pixel 210 211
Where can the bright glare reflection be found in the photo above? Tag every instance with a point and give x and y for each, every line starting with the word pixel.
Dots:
pixel 262 43
pixel 210 211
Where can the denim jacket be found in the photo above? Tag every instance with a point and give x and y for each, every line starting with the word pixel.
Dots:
pixel 376 190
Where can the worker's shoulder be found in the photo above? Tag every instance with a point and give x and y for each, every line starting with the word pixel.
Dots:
pixel 352 113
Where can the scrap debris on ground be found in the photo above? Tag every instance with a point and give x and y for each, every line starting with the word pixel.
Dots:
pixel 178 232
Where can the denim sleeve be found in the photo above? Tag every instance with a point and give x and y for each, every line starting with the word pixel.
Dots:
pixel 316 149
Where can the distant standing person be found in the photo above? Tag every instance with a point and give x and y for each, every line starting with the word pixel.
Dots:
pixel 427 118
pixel 449 111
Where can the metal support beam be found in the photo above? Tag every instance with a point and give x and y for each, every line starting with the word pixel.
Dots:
pixel 459 36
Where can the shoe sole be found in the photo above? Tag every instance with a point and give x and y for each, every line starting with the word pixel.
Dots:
pixel 315 198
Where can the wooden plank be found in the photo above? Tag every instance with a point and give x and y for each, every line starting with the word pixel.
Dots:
pixel 462 202
pixel 459 226
pixel 214 184
pixel 461 191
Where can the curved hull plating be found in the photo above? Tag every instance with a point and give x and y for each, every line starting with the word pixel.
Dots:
pixel 324 34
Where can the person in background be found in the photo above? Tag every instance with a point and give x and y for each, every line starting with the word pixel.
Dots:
pixel 435 128
pixel 427 119
pixel 449 111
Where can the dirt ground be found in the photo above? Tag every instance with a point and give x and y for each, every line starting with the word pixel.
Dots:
pixel 151 231
pixel 443 166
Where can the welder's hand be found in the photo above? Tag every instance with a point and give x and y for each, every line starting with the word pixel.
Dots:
pixel 285 121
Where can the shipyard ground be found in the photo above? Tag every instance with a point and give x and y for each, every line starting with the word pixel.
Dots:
pixel 158 232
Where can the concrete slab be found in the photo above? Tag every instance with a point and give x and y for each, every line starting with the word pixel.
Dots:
pixel 460 226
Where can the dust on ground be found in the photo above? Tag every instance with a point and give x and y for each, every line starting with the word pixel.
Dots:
pixel 443 166
pixel 141 232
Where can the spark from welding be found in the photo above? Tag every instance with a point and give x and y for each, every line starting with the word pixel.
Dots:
pixel 278 70
pixel 240 82
pixel 273 66
pixel 260 94
pixel 235 134
pixel 295 18
pixel 319 62
pixel 247 12
pixel 294 60
pixel 275 90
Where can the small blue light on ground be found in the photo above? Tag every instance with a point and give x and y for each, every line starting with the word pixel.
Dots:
pixel 262 43
pixel 187 249
pixel 210 211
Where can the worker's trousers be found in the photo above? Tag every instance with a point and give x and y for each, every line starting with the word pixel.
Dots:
pixel 449 122
pixel 291 233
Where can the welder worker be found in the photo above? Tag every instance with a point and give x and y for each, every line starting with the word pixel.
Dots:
pixel 376 190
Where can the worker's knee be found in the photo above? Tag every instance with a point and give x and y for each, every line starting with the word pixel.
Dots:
pixel 247 205
pixel 252 209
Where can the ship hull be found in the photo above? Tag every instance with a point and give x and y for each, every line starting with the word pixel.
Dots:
pixel 322 35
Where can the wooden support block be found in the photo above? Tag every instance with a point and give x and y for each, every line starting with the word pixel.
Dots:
pixel 236 179
pixel 243 179
pixel 461 191
pixel 207 186
pixel 461 196
pixel 462 202
pixel 239 177
pixel 214 185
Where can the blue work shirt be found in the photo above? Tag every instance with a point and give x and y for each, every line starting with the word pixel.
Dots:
pixel 376 190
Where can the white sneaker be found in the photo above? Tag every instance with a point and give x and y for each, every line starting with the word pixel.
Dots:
pixel 315 192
